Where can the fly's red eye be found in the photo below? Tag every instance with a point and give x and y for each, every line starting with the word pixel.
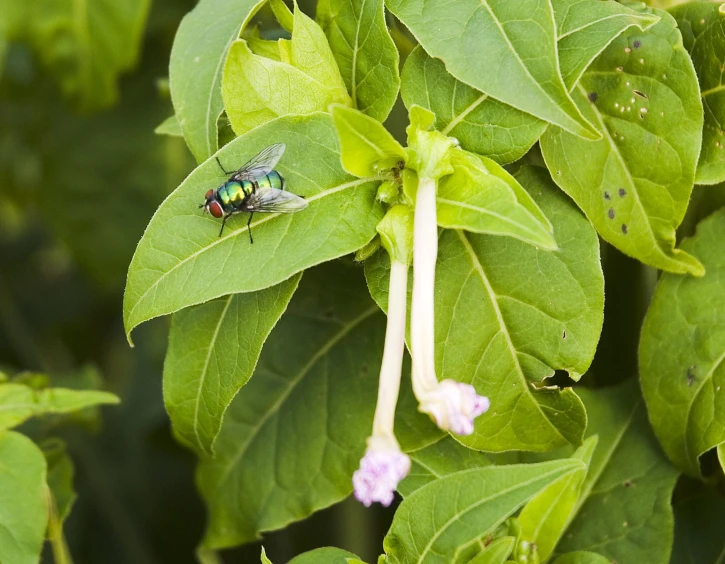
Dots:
pixel 215 209
pixel 209 194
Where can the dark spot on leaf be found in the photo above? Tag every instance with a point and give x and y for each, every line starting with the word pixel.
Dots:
pixel 624 228
pixel 607 196
pixel 563 335
pixel 637 44
pixel 628 484
pixel 622 192
pixel 364 369
pixel 329 314
pixel 610 213
pixel 691 375
pixel 593 97
pixel 640 94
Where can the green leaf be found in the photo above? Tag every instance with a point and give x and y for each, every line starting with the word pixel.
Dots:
pixel 582 557
pixel 681 353
pixel 396 233
pixel 24 508
pixel 480 123
pixel 481 197
pixel 699 529
pixel 195 70
pixel 367 147
pixel 19 402
pixel 508 315
pixel 263 557
pixel 585 28
pixel 634 184
pixel 60 479
pixel 213 349
pixel 170 126
pixel 325 555
pixel 702 25
pixel 519 36
pixel 545 517
pixel 85 46
pixel 283 14
pixel 257 89
pixel 624 510
pixel 364 51
pixel 182 261
pixel 440 522
pixel 438 460
pixel 497 552
pixel 429 152
pixel 294 435
pixel 721 455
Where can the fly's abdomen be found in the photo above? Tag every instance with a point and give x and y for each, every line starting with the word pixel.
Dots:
pixel 232 194
pixel 271 180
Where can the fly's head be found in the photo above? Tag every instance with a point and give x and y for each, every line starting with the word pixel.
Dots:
pixel 212 205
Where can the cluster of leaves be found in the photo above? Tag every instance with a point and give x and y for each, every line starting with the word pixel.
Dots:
pixel 622 104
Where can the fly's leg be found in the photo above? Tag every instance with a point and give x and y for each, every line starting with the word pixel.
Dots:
pixel 223 169
pixel 223 222
pixel 249 227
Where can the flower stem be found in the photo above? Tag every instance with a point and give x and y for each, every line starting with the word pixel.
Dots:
pixel 425 252
pixel 390 369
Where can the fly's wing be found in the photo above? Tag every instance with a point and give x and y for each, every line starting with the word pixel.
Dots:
pixel 262 164
pixel 271 200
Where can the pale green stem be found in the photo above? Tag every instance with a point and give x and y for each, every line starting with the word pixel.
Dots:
pixel 425 253
pixel 391 367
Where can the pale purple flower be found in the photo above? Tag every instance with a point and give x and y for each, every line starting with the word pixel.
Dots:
pixel 381 469
pixel 454 405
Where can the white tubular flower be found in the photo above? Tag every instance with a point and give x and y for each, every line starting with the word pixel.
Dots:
pixel 384 465
pixel 451 404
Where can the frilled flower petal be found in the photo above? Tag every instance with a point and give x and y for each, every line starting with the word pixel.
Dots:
pixel 378 476
pixel 454 405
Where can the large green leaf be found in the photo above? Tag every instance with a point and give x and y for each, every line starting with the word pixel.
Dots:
pixel 195 71
pixel 634 184
pixel 519 36
pixel 19 402
pixel 24 507
pixel 508 315
pixel 364 51
pixel 699 529
pixel 86 45
pixel 182 261
pixel 481 197
pixel 682 350
pixel 490 127
pixel 624 510
pixel 257 89
pixel 213 349
pixel 702 25
pixel 294 435
pixel 441 522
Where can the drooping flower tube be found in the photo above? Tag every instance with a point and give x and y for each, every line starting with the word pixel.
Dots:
pixel 384 465
pixel 453 405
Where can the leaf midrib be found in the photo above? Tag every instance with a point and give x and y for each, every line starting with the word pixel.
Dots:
pixel 343 331
pixel 237 232
pixel 504 329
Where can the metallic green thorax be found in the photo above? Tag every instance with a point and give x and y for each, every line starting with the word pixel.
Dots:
pixel 232 194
